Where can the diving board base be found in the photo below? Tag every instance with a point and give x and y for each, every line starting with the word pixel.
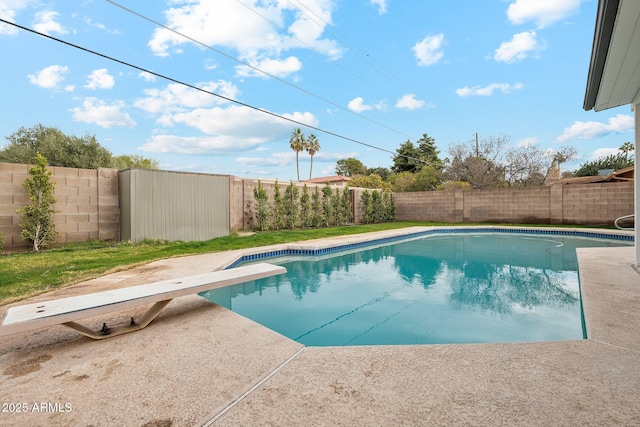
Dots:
pixel 107 332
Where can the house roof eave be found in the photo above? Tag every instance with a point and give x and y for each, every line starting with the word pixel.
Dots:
pixel 605 23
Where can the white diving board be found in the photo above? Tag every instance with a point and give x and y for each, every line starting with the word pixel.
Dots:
pixel 66 311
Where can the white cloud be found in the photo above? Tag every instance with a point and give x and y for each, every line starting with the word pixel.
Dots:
pixel 276 160
pixel 274 67
pixel 409 102
pixel 45 22
pixel 228 130
pixel 179 98
pixel 100 79
pixel 147 76
pixel 429 50
pixel 518 48
pixel 288 158
pixel 49 77
pixel 357 105
pixel 488 90
pixel 8 11
pixel 588 130
pixel 382 5
pixel 228 23
pixel 241 121
pixel 527 142
pixel 96 111
pixel 603 152
pixel 199 145
pixel 542 12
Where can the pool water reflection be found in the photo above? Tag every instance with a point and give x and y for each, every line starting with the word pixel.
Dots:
pixel 453 288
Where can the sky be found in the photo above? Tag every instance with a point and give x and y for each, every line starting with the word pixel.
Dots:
pixel 219 86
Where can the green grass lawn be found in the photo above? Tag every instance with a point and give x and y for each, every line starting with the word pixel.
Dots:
pixel 27 274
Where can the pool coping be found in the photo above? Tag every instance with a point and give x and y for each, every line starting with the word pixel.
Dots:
pixel 264 378
pixel 326 246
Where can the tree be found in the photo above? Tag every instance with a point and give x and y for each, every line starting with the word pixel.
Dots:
pixel 406 158
pixel 297 143
pixel 37 217
pixel 426 179
pixel 626 148
pixel 313 146
pixel 428 153
pixel 612 161
pixel 454 185
pixel 481 167
pixel 350 167
pixel 125 161
pixel 59 149
pixel 380 171
pixel 529 165
pixel 369 181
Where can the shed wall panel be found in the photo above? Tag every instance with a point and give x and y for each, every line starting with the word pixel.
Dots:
pixel 176 206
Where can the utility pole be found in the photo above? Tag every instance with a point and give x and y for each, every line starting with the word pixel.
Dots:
pixel 477 150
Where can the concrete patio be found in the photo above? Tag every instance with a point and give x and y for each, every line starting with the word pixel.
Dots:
pixel 200 364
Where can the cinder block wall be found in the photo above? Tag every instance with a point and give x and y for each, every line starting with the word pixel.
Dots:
pixel 598 203
pixel 588 204
pixel 86 203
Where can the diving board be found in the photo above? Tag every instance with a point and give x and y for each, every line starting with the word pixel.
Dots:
pixel 66 311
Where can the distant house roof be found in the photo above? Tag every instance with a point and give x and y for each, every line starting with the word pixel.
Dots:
pixel 625 174
pixel 337 179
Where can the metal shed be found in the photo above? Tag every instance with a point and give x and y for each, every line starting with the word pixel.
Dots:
pixel 172 205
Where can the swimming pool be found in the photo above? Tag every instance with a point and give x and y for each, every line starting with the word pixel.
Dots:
pixel 443 288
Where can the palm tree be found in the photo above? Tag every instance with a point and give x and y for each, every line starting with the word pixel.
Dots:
pixel 313 146
pixel 297 144
pixel 626 148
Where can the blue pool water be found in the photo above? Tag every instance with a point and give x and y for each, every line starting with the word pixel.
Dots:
pixel 450 288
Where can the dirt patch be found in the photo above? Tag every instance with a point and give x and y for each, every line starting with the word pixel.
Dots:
pixel 25 367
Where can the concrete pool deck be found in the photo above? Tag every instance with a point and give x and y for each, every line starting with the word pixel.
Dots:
pixel 200 364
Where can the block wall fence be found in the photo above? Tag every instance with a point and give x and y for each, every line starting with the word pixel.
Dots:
pixel 587 204
pixel 88 204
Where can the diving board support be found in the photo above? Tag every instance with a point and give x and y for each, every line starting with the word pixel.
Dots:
pixel 67 311
pixel 107 332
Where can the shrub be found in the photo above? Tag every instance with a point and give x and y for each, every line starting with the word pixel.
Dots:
pixel 277 208
pixel 347 209
pixel 262 207
pixel 336 204
pixel 306 216
pixel 38 226
pixel 290 206
pixel 317 213
pixel 377 208
pixel 367 213
pixel 327 206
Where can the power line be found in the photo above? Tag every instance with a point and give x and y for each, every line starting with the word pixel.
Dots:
pixel 146 18
pixel 345 69
pixel 365 57
pixel 171 79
